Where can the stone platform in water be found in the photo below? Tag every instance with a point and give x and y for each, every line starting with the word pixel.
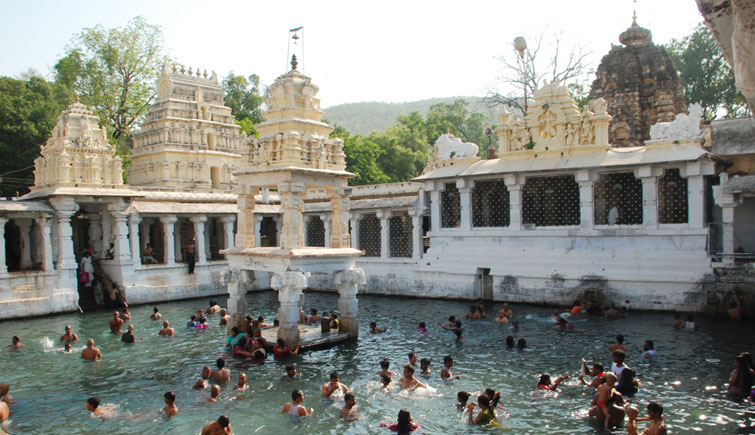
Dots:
pixel 311 337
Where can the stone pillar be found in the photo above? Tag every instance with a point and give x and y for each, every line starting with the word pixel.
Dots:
pixel 3 266
pixel 465 203
pixel 291 234
pixel 95 235
pixel 586 199
pixel 133 233
pixel 347 282
pixel 247 227
pixel 327 222
pixel 106 223
pixel 24 225
pixel 695 201
pixel 354 219
pixel 418 245
pixel 339 226
pixel 228 231
pixel 199 239
pixel 236 303
pixel 289 286
pixel 45 232
pixel 169 250
pixel 207 247
pixel 515 202
pixel 65 207
pixel 257 230
pixel 385 235
pixel 435 212
pixel 177 242
pixel 145 228
pixel 649 196
pixel 728 204
pixel 120 232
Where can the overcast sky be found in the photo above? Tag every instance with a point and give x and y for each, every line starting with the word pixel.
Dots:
pixel 354 50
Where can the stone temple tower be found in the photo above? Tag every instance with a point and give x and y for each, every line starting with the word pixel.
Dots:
pixel 641 86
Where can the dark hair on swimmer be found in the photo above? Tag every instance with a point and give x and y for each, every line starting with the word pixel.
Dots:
pixel 458 323
pixel 620 355
pixel 484 402
pixel 94 401
pixel 448 359
pixel 259 354
pixel 451 319
pixel 235 329
pixel 261 319
pixel 155 309
pixel 576 303
pixel 348 396
pixel 521 344
pixel 220 362
pixel 598 366
pixel 544 379
pixel 387 379
pixel 509 341
pixel 422 325
pixel 409 368
pixel 213 302
pixel 472 308
pixel 463 396
pixel 404 423
pixel 373 325
pixel 276 322
pixel 412 355
pixel 334 375
pixel 655 407
pixel 650 344
pixel 224 421
pixel 425 361
pixel 296 394
pixel 313 311
pixel 620 339
pixel 193 317
pixel 171 396
pixel 493 396
pixel 280 342
pixel 290 367
pixel 384 363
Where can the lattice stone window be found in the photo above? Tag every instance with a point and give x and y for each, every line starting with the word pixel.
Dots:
pixel 450 206
pixel 618 199
pixel 490 203
pixel 369 235
pixel 315 231
pixel 672 198
pixel 551 201
pixel 400 231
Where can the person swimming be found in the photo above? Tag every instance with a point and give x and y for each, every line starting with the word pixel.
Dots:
pixel 294 409
pixel 545 382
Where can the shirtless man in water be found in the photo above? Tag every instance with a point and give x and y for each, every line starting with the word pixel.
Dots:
pixel 170 408
pixel 93 406
pixel 241 386
pixel 332 386
pixel 4 392
pixel 69 336
pixel 91 353
pixel 167 331
pixel 224 317
pixel 116 323
pixel 15 343
pixel 222 374
pixel 202 382
pixel 4 413
pixel 409 382
pixel 220 427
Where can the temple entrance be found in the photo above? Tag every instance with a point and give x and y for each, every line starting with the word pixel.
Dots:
pixel 268 232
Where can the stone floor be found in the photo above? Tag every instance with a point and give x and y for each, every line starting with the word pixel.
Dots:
pixel 310 336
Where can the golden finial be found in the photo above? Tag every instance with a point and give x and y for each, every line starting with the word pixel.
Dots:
pixel 634 14
pixel 183 69
pixel 76 95
pixel 205 74
pixel 190 73
pixel 199 73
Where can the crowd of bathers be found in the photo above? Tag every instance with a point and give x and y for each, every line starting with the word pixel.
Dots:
pixel 609 407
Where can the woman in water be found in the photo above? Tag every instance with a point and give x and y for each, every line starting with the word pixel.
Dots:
pixel 740 381
pixel 546 384
pixel 404 425
pixel 462 397
pixel 486 416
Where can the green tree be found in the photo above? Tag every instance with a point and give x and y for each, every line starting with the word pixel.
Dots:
pixel 115 71
pixel 458 120
pixel 243 96
pixel 706 77
pixel 28 110
pixel 361 158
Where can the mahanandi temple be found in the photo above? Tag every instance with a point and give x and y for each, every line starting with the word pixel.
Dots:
pixel 630 201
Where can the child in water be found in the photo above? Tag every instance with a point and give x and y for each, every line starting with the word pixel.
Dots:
pixel 546 384
pixel 655 416
pixel 631 425
pixel 604 395
pixel 461 399
pixel 424 366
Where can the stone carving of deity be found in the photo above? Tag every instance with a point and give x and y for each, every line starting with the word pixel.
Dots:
pixel 572 134
pixel 321 156
pixel 547 128
pixel 586 132
pixel 516 138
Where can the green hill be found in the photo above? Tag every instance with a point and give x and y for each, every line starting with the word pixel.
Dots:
pixel 363 118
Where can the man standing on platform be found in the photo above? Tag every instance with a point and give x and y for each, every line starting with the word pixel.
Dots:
pixel 190 257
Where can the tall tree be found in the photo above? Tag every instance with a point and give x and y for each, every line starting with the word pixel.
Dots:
pixel 361 158
pixel 243 96
pixel 114 71
pixel 706 77
pixel 28 110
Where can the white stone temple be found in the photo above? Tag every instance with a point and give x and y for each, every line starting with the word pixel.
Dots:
pixel 559 214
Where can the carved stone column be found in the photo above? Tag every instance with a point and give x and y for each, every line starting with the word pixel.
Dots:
pixel 418 245
pixel 291 235
pixel 649 196
pixel 385 235
pixel 199 238
pixel 257 230
pixel 120 232
pixel 435 212
pixel 246 229
pixel 65 207
pixel 586 199
pixel 354 219
pixel 169 249
pixel 728 204
pixel 465 202
pixel 228 230
pixel 339 228
pixel 289 286
pixel 45 232
pixel 95 235
pixel 3 266
pixel 133 224
pixel 24 225
pixel 347 282
pixel 515 202
pixel 237 305
pixel 695 195
pixel 327 221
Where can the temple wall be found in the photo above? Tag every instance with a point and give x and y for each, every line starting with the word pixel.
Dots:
pixel 36 293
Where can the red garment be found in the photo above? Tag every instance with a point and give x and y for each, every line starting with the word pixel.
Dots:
pixel 281 354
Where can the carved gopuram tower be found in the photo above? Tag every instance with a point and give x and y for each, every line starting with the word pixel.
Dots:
pixel 641 86
pixel 293 155
pixel 189 140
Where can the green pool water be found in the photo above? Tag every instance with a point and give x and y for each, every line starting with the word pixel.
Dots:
pixel 688 377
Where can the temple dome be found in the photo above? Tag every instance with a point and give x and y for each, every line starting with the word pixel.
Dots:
pixel 636 35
